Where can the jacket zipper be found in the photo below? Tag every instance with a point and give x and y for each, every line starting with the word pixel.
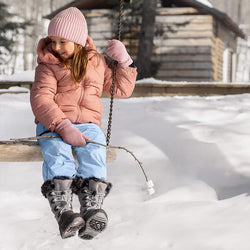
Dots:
pixel 78 105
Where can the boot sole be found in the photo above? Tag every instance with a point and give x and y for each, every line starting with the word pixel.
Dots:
pixel 94 225
pixel 72 228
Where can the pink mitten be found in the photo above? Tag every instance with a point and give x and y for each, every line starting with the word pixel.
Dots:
pixel 70 134
pixel 118 52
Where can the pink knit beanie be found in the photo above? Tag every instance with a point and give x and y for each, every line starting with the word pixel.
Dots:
pixel 71 25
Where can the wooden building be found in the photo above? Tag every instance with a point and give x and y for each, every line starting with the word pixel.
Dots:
pixel 193 42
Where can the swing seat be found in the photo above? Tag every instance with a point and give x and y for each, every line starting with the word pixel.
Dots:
pixel 30 151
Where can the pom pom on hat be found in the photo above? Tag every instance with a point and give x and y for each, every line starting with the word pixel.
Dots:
pixel 69 24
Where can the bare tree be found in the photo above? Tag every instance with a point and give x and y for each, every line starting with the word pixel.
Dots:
pixel 146 38
pixel 24 58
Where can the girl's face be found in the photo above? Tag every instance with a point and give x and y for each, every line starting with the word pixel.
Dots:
pixel 64 48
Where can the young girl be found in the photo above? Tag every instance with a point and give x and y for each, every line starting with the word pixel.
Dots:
pixel 65 99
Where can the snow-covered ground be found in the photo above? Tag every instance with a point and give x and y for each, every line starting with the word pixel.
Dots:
pixel 196 151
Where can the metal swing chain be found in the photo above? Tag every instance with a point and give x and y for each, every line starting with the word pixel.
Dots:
pixel 114 76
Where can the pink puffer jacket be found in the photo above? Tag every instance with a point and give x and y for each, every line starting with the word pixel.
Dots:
pixel 55 97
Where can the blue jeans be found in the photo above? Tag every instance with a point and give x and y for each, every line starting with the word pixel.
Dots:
pixel 59 160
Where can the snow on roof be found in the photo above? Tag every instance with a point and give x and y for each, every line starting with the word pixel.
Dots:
pixel 205 2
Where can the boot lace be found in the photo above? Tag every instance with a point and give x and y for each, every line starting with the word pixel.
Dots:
pixel 91 199
pixel 62 201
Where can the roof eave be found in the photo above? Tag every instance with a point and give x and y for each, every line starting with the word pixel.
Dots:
pixel 81 4
pixel 223 17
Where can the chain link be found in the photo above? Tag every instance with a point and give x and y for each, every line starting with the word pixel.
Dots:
pixel 114 76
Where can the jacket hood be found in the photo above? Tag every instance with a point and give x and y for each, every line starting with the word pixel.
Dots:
pixel 46 55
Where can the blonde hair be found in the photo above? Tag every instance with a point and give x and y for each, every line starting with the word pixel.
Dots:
pixel 79 62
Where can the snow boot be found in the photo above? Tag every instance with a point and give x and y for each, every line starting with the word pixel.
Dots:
pixel 91 193
pixel 59 194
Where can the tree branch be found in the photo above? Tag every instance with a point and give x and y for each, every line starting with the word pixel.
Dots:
pixel 30 141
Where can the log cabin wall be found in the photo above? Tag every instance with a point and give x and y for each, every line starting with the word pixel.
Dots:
pixel 193 47
pixel 185 49
pixel 226 51
pixel 101 26
pixel 188 46
pixel 217 59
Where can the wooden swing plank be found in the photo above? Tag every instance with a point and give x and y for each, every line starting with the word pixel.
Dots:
pixel 30 151
pixel 20 152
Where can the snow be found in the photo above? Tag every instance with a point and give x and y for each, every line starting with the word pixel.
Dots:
pixel 27 75
pixel 30 74
pixel 196 151
pixel 205 2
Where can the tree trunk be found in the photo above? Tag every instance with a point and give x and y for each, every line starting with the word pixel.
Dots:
pixel 146 39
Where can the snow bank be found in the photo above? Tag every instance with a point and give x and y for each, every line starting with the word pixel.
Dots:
pixel 195 149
